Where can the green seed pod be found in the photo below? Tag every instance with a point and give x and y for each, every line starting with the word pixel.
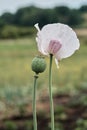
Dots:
pixel 38 64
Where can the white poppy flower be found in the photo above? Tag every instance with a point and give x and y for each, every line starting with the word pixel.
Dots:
pixel 57 39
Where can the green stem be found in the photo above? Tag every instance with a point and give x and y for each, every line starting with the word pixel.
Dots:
pixel 34 104
pixel 50 93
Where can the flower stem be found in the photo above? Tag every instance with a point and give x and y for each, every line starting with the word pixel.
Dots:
pixel 34 104
pixel 50 93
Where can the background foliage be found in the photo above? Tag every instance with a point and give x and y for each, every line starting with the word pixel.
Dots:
pixel 19 24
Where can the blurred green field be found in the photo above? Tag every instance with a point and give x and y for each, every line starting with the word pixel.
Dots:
pixel 16 76
pixel 15 65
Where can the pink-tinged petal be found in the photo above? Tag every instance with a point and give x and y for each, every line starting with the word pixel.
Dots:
pixel 57 32
pixel 37 27
pixel 39 40
pixel 40 48
pixel 48 33
pixel 56 61
pixel 70 43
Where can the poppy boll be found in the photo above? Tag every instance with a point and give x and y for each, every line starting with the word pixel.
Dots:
pixel 38 64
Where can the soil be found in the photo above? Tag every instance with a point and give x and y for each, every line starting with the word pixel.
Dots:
pixel 68 121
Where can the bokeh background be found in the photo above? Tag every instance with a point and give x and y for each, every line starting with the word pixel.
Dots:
pixel 18 48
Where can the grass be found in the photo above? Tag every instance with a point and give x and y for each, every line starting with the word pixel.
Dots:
pixel 15 58
pixel 15 65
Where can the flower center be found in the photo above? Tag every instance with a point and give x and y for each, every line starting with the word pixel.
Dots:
pixel 54 46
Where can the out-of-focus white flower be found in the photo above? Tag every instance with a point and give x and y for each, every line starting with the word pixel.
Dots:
pixel 57 39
